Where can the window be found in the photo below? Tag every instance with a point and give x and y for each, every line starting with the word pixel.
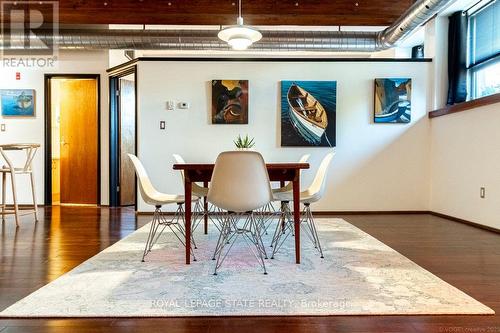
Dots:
pixel 484 50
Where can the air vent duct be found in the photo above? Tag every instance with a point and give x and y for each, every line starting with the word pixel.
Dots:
pixel 418 14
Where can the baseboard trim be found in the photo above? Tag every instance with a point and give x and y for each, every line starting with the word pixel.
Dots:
pixel 467 222
pixel 370 212
pixel 384 212
pixel 343 212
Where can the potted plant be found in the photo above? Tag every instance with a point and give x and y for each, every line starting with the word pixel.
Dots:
pixel 244 143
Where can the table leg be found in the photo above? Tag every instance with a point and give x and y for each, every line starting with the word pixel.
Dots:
pixel 205 209
pixel 187 208
pixel 296 214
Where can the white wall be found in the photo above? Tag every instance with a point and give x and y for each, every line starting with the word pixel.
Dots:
pixel 32 129
pixel 466 156
pixel 436 47
pixel 377 166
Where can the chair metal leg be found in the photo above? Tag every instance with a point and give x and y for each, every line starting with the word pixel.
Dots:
pixel 265 216
pixel 220 240
pixel 283 229
pixel 232 230
pixel 286 228
pixel 314 231
pixel 159 222
pixel 148 245
pixel 218 219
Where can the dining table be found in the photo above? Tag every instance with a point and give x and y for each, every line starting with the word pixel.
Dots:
pixel 202 172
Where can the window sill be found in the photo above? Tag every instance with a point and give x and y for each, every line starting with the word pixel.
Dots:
pixel 486 100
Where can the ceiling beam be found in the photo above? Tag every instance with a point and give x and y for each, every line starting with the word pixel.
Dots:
pixel 224 12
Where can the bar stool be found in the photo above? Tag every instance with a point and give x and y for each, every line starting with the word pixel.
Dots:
pixel 27 169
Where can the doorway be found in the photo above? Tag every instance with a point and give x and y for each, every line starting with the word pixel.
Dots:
pixel 123 133
pixel 72 137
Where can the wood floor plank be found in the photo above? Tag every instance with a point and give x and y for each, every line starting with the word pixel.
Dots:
pixel 36 254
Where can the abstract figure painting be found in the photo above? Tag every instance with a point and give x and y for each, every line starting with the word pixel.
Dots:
pixel 18 102
pixel 392 101
pixel 230 102
pixel 308 113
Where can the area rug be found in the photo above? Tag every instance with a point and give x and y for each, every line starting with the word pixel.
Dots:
pixel 359 275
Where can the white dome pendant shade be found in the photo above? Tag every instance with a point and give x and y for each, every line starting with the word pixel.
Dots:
pixel 239 36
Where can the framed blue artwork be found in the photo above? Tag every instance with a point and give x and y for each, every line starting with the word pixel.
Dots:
pixel 392 101
pixel 17 102
pixel 308 113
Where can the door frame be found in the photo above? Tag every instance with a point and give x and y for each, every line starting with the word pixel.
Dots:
pixel 48 132
pixel 115 135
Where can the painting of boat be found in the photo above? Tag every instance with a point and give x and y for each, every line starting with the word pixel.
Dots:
pixel 18 102
pixel 310 108
pixel 392 101
pixel 308 115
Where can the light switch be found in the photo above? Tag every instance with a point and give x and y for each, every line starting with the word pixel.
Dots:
pixel 170 105
pixel 2 127
pixel 162 124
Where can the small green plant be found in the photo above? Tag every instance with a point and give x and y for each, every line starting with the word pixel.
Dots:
pixel 244 142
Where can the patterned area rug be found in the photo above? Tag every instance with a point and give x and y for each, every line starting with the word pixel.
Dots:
pixel 358 276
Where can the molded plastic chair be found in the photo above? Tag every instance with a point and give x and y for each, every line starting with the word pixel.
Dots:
pixel 197 190
pixel 201 192
pixel 289 185
pixel 312 194
pixel 155 198
pixel 269 212
pixel 239 185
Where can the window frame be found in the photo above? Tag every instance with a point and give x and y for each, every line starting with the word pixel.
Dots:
pixel 472 69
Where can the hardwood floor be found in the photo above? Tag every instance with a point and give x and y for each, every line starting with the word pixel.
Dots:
pixel 36 254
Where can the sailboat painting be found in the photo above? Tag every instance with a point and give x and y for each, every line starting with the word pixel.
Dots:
pixel 392 101
pixel 17 102
pixel 308 113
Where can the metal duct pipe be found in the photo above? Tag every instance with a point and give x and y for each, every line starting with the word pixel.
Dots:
pixel 420 12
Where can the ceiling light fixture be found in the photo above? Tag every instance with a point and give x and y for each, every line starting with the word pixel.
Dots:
pixel 239 36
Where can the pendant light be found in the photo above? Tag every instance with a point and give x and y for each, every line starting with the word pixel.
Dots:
pixel 239 36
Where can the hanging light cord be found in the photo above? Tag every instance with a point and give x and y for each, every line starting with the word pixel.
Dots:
pixel 239 8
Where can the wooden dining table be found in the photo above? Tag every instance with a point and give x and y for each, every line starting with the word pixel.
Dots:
pixel 202 172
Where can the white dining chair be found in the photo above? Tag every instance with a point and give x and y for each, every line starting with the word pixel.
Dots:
pixel 197 190
pixel 239 185
pixel 157 199
pixel 311 195
pixel 269 212
pixel 289 186
pixel 201 191
pixel 11 169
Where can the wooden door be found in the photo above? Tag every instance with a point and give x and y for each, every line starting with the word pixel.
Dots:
pixel 127 142
pixel 79 141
